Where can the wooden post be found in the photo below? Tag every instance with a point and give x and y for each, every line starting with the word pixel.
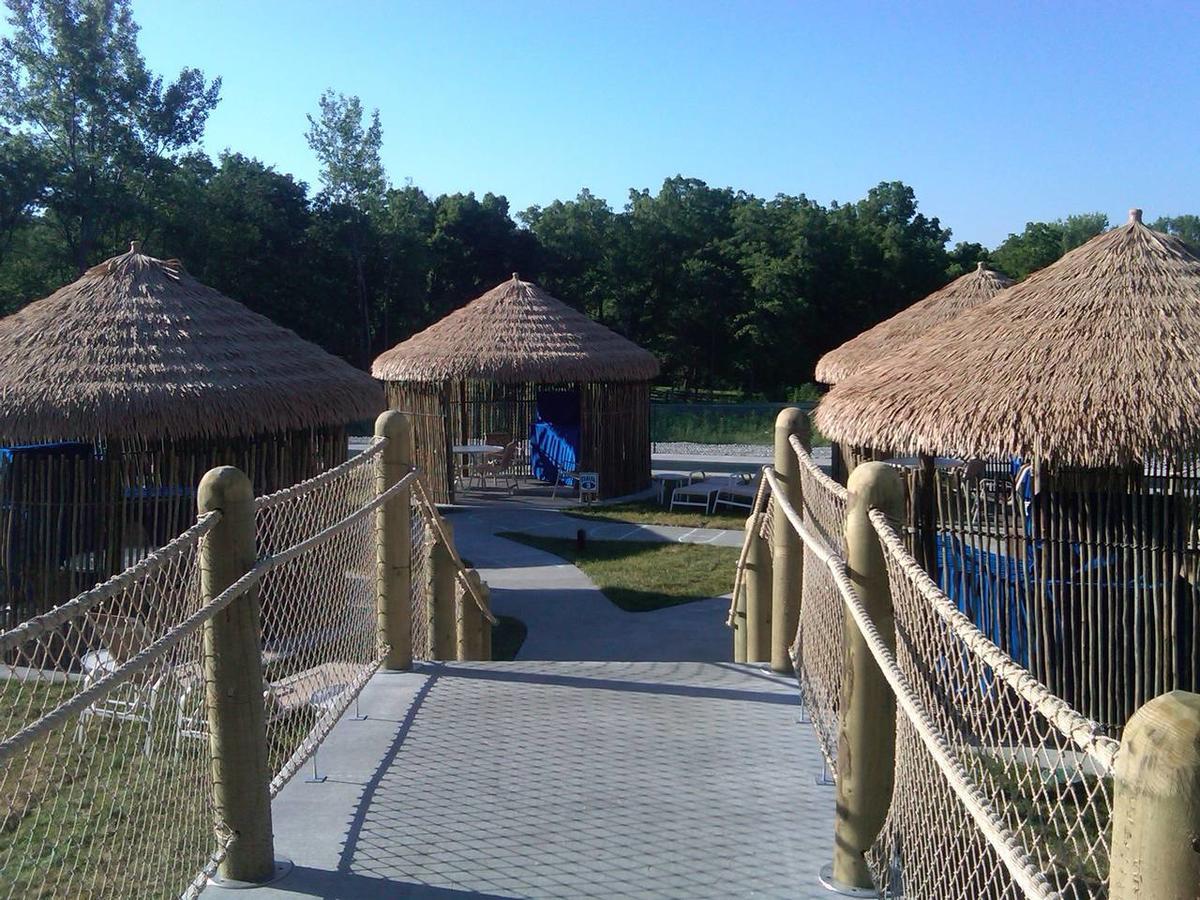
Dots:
pixel 393 541
pixel 788 557
pixel 485 627
pixel 233 679
pixel 443 615
pixel 756 600
pixel 739 602
pixel 867 731
pixel 1156 802
pixel 469 630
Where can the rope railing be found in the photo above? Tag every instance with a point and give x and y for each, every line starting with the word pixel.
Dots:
pixel 759 511
pixel 1001 788
pixel 104 727
pixel 434 522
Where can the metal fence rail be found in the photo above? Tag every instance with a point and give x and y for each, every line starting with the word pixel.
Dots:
pixel 106 743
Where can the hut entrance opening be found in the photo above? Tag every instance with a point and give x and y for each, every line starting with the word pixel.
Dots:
pixel 600 427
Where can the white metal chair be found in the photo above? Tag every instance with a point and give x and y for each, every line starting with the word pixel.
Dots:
pixel 118 638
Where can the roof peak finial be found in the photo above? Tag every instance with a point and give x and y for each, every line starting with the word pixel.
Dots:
pixel 1135 215
pixel 516 277
pixel 980 266
pixel 135 246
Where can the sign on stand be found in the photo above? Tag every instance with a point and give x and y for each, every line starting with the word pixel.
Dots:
pixel 589 486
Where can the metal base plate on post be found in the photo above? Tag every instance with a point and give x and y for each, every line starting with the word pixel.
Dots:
pixel 282 867
pixel 843 890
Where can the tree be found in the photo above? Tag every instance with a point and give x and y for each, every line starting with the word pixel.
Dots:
pixel 1042 243
pixel 22 183
pixel 72 80
pixel 1186 228
pixel 354 187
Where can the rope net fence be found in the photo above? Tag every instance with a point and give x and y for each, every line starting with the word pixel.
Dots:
pixel 819 647
pixel 104 753
pixel 1000 788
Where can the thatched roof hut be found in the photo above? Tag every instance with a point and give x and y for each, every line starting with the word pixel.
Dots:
pixel 124 388
pixel 1092 362
pixel 516 333
pixel 910 324
pixel 137 348
pixel 482 369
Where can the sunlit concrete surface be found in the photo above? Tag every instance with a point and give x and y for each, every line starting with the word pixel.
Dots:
pixel 562 779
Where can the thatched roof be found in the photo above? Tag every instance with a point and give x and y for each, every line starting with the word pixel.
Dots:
pixel 1094 361
pixel 139 348
pixel 910 324
pixel 516 333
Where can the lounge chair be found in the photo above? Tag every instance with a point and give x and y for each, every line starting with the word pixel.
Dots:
pixel 699 491
pixel 739 493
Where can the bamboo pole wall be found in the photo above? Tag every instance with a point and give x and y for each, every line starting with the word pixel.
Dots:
pixel 614 427
pixel 1092 580
pixel 78 515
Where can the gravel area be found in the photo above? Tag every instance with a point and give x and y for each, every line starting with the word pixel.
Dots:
pixel 821 455
pixel 687 448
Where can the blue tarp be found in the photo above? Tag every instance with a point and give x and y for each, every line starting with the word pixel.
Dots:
pixel 554 435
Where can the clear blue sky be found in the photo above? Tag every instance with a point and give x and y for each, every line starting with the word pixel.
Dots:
pixel 995 113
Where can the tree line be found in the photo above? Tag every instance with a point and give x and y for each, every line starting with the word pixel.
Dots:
pixel 730 290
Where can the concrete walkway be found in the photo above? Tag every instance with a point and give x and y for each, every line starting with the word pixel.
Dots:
pixel 561 780
pixel 567 617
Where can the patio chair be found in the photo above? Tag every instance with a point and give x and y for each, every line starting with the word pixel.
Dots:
pixel 699 491
pixel 498 467
pixel 117 639
pixel 739 493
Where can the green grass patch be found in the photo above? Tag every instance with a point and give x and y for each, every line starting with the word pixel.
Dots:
pixel 639 576
pixel 91 814
pixel 648 513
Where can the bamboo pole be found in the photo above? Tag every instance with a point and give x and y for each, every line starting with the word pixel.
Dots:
pixel 867 730
pixel 1156 802
pixel 233 679
pixel 393 522
pixel 788 556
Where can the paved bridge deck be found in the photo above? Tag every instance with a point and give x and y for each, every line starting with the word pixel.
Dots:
pixel 561 779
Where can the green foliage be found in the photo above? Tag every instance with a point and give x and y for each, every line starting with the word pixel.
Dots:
pixel 1187 228
pixel 107 130
pixel 1041 243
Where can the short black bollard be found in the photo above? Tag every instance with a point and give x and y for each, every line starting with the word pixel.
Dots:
pixel 580 540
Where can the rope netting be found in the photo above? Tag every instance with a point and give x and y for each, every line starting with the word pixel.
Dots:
pixel 104 756
pixel 101 795
pixel 819 648
pixel 1043 768
pixel 319 627
pixel 1001 789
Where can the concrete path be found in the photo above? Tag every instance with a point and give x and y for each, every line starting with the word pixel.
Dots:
pixel 566 615
pixel 561 780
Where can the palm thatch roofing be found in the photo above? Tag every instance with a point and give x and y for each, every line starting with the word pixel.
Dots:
pixel 516 333
pixel 137 348
pixel 910 324
pixel 1094 362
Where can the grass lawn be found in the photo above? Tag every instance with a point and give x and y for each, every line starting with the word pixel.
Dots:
pixel 99 816
pixel 646 512
pixel 639 576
